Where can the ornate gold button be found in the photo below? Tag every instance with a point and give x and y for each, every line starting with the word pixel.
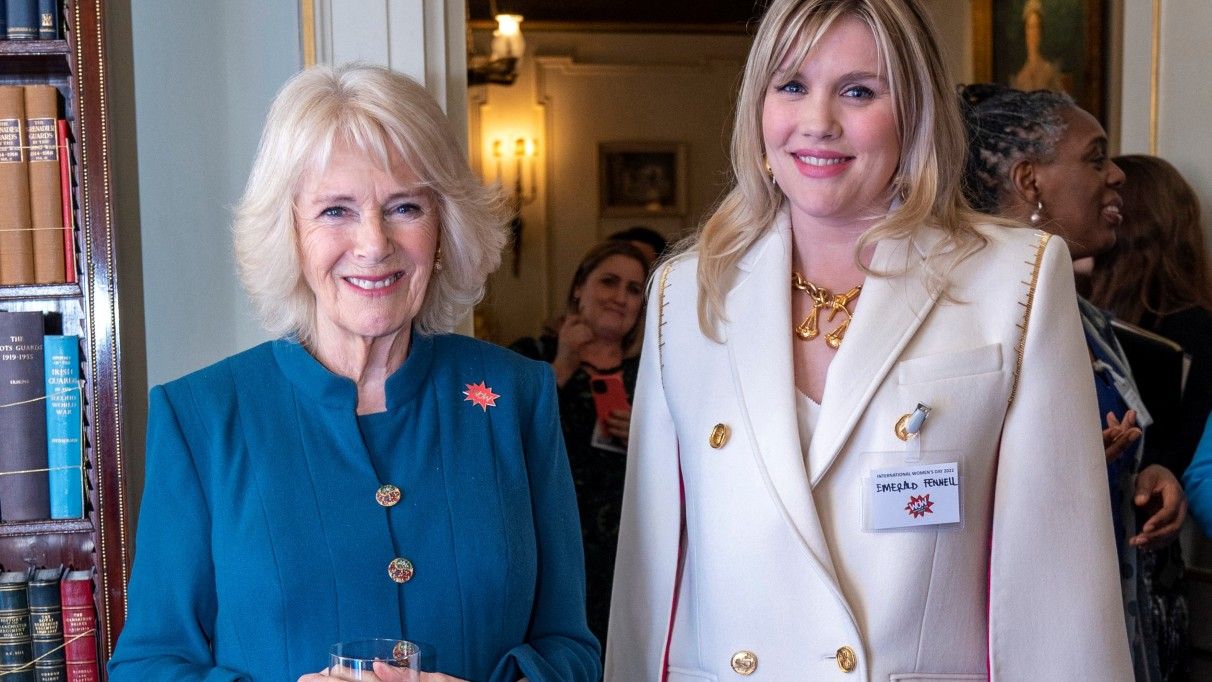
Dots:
pixel 400 570
pixel 719 436
pixel 743 662
pixel 846 659
pixel 387 495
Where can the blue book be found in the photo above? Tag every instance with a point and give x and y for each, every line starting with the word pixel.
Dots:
pixel 3 20
pixel 22 19
pixel 64 455
pixel 48 19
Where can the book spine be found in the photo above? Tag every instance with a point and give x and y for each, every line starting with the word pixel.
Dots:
pixel 45 201
pixel 22 19
pixel 46 626
pixel 79 628
pixel 48 19
pixel 16 653
pixel 24 492
pixel 63 426
pixel 65 193
pixel 16 243
pixel 3 19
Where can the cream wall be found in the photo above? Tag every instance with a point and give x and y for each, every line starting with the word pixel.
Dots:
pixel 1184 127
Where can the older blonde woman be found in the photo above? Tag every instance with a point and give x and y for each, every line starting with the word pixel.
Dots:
pixel 860 443
pixel 367 474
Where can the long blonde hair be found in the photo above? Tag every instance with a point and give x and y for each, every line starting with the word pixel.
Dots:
pixel 928 175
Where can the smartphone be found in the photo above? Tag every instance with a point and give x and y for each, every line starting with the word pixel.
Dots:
pixel 609 394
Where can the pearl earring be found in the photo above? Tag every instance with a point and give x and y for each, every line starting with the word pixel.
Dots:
pixel 1037 216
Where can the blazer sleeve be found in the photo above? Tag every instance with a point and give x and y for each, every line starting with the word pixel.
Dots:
pixel 650 529
pixel 1198 482
pixel 559 646
pixel 172 603
pixel 1054 596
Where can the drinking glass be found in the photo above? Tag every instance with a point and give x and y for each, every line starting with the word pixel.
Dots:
pixel 354 660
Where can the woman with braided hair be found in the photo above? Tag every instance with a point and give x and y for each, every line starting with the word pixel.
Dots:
pixel 1038 158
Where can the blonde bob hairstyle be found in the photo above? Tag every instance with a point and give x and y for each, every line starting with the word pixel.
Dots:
pixel 931 131
pixel 379 112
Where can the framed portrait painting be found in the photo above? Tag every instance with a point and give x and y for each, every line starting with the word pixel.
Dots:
pixel 642 179
pixel 1043 45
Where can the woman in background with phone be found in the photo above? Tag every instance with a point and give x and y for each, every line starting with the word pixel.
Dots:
pixel 596 380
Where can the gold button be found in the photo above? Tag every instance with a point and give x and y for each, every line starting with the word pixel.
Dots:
pixel 743 662
pixel 846 659
pixel 719 436
pixel 387 495
pixel 400 570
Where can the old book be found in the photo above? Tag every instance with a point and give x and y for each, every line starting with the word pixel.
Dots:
pixel 46 625
pixel 48 19
pixel 65 191
pixel 22 19
pixel 24 485
pixel 16 243
pixel 63 426
pixel 16 653
pixel 45 200
pixel 79 626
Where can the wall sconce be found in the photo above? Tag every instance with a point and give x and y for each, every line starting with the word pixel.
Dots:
pixel 525 152
pixel 508 46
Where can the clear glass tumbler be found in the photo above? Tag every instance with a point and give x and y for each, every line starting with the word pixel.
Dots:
pixel 398 660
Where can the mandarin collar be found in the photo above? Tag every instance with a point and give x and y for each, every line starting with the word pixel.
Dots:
pixel 316 381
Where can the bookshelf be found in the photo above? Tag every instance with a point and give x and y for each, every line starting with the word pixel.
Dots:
pixel 76 65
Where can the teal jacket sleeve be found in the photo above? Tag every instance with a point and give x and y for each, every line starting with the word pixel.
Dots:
pixel 559 646
pixel 1198 482
pixel 169 626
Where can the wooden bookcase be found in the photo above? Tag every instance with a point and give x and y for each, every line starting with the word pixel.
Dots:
pixel 89 308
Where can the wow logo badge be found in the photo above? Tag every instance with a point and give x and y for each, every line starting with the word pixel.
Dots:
pixel 919 506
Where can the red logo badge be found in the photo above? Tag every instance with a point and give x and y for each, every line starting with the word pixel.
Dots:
pixel 480 395
pixel 919 505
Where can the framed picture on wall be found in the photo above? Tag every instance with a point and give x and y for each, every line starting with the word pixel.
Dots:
pixel 1043 45
pixel 642 179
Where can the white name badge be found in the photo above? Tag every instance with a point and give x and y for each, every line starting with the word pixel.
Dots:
pixel 913 496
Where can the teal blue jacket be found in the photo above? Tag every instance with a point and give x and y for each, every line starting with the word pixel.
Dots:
pixel 260 542
pixel 1197 481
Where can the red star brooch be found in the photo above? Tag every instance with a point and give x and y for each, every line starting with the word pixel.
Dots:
pixel 480 395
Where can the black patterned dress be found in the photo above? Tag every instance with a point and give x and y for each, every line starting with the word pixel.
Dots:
pixel 597 473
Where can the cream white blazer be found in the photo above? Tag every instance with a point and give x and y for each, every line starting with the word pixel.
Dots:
pixel 741 561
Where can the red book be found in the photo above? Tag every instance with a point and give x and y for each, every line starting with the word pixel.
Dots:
pixel 65 185
pixel 79 626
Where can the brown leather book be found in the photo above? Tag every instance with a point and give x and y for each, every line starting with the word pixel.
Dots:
pixel 45 201
pixel 16 242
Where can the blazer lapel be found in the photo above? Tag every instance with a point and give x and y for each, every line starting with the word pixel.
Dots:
pixel 887 315
pixel 758 337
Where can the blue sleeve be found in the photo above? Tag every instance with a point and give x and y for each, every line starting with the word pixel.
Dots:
pixel 1198 482
pixel 559 646
pixel 172 604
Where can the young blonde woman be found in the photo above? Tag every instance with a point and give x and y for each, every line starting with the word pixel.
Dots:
pixel 860 447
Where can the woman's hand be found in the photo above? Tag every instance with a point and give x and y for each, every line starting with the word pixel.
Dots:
pixel 574 334
pixel 1160 494
pixel 1119 435
pixel 618 425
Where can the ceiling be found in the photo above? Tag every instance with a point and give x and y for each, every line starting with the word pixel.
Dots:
pixel 623 15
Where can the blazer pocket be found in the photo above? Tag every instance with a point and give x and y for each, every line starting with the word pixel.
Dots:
pixel 934 677
pixel 687 675
pixel 950 364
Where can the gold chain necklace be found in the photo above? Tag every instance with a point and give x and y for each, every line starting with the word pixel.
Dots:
pixel 822 299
